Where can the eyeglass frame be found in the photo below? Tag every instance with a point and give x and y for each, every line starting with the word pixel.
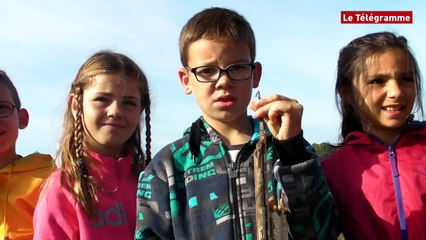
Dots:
pixel 223 70
pixel 11 111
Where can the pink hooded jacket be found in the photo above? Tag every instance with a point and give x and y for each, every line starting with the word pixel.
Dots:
pixel 59 216
pixel 367 178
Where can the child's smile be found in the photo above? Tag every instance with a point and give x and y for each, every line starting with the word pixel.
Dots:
pixel 111 112
pixel 388 93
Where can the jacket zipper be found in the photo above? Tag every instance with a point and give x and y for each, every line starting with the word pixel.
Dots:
pixel 233 172
pixel 398 194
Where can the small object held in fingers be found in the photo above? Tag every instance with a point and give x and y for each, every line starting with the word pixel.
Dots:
pixel 258 95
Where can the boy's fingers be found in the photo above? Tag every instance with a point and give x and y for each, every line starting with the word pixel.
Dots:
pixel 263 109
pixel 270 99
pixel 280 108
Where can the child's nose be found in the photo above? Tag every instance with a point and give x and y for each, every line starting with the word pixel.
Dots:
pixel 224 79
pixel 114 110
pixel 394 88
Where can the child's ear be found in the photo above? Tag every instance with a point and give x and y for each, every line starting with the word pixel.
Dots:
pixel 257 74
pixel 184 80
pixel 73 104
pixel 24 118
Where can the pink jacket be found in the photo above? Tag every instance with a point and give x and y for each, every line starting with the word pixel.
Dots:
pixel 59 216
pixel 364 186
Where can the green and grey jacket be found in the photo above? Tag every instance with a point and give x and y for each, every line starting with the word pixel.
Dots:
pixel 192 189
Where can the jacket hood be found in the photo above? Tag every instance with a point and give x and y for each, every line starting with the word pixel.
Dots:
pixel 29 163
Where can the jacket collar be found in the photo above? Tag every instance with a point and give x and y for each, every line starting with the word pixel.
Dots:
pixel 361 138
pixel 201 130
pixel 108 166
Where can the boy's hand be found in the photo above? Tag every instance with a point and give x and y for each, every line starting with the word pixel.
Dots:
pixel 282 114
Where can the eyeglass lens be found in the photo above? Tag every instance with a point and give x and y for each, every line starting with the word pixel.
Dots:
pixel 6 108
pixel 213 73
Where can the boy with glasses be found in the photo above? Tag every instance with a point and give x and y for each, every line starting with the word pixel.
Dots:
pixel 20 177
pixel 202 185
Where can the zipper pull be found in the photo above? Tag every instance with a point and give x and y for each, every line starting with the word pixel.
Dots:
pixel 231 170
pixel 391 152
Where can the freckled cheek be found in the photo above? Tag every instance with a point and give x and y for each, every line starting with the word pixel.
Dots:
pixel 134 117
pixel 374 97
pixel 411 92
pixel 412 103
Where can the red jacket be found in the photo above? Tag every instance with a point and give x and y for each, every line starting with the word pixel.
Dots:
pixel 361 180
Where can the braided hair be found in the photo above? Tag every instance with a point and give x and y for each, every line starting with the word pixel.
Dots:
pixel 72 150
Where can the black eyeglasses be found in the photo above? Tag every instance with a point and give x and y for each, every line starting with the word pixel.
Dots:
pixel 236 72
pixel 6 108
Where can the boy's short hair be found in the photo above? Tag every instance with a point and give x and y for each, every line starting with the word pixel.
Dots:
pixel 216 24
pixel 5 80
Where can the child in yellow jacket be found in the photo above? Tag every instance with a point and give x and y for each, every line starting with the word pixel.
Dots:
pixel 20 177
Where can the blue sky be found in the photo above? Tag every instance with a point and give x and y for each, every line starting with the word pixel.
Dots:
pixel 43 43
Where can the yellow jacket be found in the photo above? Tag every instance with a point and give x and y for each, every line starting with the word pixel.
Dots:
pixel 20 184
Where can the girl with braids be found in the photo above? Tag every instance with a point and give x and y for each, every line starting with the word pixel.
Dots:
pixel 378 176
pixel 93 194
